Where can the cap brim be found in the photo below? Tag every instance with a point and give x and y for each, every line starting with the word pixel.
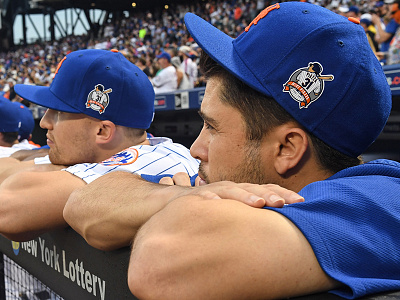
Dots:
pixel 219 46
pixel 42 95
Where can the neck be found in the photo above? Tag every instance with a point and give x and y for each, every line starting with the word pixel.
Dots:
pixel 306 171
pixel 298 181
pixel 5 144
pixel 120 144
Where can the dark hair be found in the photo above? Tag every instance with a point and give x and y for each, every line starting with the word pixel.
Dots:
pixel 10 137
pixel 262 113
pixel 133 132
pixel 142 61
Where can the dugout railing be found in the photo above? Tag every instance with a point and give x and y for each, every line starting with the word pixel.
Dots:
pixel 64 266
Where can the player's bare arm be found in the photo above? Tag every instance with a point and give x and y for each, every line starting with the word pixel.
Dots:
pixel 10 166
pixel 108 223
pixel 192 241
pixel 24 155
pixel 32 203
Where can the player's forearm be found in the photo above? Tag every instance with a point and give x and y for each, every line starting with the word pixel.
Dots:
pixel 32 203
pixel 10 166
pixel 23 155
pixel 109 211
pixel 382 35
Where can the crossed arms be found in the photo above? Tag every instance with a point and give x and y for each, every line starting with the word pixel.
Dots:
pixel 195 242
pixel 211 242
pixel 32 198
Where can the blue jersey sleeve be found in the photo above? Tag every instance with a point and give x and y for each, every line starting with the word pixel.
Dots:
pixel 156 178
pixel 353 226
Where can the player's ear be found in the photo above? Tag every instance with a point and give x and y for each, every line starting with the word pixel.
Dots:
pixel 292 150
pixel 105 132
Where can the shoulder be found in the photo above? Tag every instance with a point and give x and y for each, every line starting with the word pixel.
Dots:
pixel 161 157
pixel 346 217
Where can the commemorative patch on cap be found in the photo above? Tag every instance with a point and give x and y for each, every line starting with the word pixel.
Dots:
pixel 306 85
pixel 126 157
pixel 98 98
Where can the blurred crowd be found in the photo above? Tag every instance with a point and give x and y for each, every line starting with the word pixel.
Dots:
pixel 161 46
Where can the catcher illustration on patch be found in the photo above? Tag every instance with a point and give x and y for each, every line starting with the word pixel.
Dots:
pixel 306 85
pixel 98 98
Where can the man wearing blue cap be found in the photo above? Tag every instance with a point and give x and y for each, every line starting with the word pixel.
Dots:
pixel 9 124
pixel 23 117
pixel 99 107
pixel 166 79
pixel 263 123
pixel 293 101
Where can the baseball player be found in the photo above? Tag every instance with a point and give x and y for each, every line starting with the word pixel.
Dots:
pixel 344 238
pixel 18 118
pixel 99 107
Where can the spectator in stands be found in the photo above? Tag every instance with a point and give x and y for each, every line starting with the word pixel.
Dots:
pixel 9 89
pixel 384 32
pixel 141 64
pixel 182 78
pixel 188 65
pixel 353 12
pixel 237 14
pixel 366 23
pixel 253 112
pixel 165 80
pixel 393 55
pixel 100 106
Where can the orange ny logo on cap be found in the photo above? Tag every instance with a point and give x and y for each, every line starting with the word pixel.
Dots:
pixel 59 65
pixel 262 15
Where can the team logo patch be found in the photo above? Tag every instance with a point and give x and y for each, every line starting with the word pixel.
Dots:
pixel 306 85
pixel 126 157
pixel 98 98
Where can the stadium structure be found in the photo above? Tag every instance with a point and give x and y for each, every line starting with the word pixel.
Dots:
pixel 80 11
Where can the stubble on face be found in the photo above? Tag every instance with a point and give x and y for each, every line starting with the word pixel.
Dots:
pixel 75 151
pixel 249 170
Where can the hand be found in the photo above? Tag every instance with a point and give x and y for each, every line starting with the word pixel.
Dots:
pixel 254 195
pixel 180 178
pixel 375 19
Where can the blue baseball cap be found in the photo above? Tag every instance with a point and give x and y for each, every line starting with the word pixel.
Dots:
pixel 354 9
pixel 27 121
pixel 99 83
pixel 164 55
pixel 318 65
pixel 9 117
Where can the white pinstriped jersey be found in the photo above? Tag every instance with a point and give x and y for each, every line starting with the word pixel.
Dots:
pixel 162 158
